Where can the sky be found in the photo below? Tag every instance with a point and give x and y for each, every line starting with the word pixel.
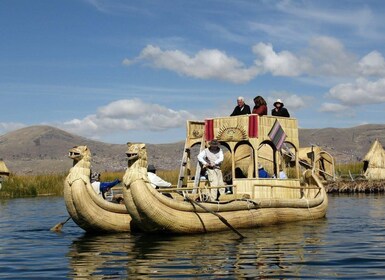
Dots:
pixel 137 70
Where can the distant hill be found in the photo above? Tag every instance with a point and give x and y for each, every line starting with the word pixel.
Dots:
pixel 345 144
pixel 44 149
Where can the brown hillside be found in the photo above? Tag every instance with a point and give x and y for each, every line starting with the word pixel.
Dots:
pixel 43 149
pixel 345 144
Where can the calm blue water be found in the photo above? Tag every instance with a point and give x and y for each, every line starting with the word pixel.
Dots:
pixel 348 244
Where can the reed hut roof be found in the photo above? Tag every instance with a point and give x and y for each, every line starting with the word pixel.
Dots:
pixel 3 168
pixel 374 162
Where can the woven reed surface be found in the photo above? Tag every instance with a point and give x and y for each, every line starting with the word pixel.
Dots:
pixel 184 217
pixel 91 212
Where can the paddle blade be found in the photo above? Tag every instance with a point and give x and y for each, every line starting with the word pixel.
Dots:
pixel 57 228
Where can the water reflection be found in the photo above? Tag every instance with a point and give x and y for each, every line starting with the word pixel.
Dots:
pixel 348 244
pixel 265 252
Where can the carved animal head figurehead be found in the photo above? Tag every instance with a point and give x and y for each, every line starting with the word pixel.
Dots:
pixel 80 153
pixel 136 153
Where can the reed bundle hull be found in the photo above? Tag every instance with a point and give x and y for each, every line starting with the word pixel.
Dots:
pixel 87 209
pixel 91 212
pixel 153 211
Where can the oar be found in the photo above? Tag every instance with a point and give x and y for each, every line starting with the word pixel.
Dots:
pixel 58 227
pixel 223 220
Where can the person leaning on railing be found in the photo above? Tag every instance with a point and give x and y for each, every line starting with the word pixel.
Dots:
pixel 260 106
pixel 279 110
pixel 241 108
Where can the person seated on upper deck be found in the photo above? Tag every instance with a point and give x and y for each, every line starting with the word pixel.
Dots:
pixel 211 159
pixel 260 106
pixel 102 187
pixel 155 181
pixel 279 110
pixel 262 173
pixel 241 108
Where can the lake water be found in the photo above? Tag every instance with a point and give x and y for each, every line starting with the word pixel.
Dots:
pixel 348 244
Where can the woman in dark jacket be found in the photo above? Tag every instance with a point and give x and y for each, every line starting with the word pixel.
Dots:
pixel 279 110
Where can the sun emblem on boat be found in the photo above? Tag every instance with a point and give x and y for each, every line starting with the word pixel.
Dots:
pixel 197 133
pixel 228 133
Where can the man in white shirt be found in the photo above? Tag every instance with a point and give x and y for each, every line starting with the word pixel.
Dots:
pixel 155 180
pixel 211 158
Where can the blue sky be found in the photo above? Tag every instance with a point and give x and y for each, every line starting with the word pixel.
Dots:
pixel 136 70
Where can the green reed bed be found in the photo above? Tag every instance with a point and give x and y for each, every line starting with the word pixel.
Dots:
pixel 32 185
pixel 351 169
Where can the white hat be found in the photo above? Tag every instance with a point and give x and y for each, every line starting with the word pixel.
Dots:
pixel 278 101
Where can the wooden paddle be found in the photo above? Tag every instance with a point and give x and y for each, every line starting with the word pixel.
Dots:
pixel 223 220
pixel 58 227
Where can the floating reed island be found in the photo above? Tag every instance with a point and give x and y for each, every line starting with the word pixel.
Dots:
pixel 371 179
pixel 356 186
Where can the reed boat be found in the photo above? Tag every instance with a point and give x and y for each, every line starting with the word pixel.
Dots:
pixel 249 141
pixel 87 209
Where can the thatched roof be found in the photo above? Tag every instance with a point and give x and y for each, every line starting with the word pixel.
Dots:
pixel 374 162
pixel 3 168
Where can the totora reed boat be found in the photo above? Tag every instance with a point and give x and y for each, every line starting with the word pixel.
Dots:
pixel 248 142
pixel 89 210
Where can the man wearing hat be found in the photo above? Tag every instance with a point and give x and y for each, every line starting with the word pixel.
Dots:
pixel 155 180
pixel 102 187
pixel 211 159
pixel 279 110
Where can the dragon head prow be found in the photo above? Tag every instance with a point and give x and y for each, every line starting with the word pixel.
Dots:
pixel 137 163
pixel 136 152
pixel 79 153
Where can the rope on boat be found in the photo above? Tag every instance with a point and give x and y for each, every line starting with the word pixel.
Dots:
pixel 223 220
pixel 308 208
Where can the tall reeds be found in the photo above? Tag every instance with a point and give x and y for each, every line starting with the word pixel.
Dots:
pixel 32 185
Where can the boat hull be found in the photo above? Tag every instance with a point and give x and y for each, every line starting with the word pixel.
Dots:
pixel 91 212
pixel 152 211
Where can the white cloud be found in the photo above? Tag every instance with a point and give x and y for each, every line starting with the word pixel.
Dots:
pixel 126 115
pixel 7 127
pixel 206 64
pixel 324 57
pixel 333 108
pixel 362 91
pixel 127 62
pixel 360 18
pixel 372 64
pixel 330 58
pixel 293 102
pixel 279 64
pixel 296 102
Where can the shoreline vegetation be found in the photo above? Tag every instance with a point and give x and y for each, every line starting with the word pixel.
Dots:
pixel 349 179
